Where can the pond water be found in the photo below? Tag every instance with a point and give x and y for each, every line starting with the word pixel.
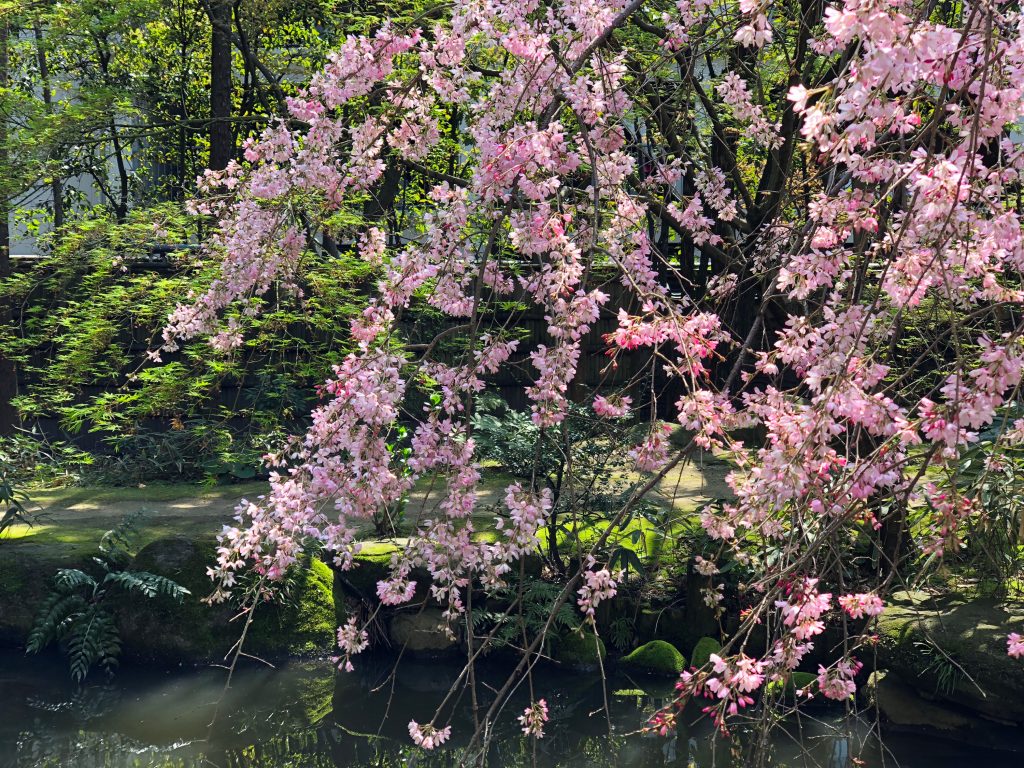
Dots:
pixel 305 715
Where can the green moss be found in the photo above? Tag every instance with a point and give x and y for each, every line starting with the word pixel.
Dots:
pixel 22 531
pixel 315 695
pixel 376 551
pixel 55 542
pixel 656 658
pixel 26 577
pixel 581 650
pixel 702 651
pixel 24 584
pixel 305 623
pixel 372 564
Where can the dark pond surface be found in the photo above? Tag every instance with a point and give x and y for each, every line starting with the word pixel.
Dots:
pixel 305 715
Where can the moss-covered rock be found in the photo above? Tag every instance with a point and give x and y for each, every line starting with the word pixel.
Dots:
pixel 702 651
pixel 931 641
pixel 303 624
pixel 581 650
pixel 24 584
pixel 370 565
pixel 900 705
pixel 165 630
pixel 668 624
pixel 902 708
pixel 373 564
pixel 656 658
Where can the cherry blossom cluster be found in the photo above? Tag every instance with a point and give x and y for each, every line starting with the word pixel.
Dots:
pixel 734 93
pixel 803 609
pixel 533 718
pixel 730 685
pixel 837 682
pixel 1015 645
pixel 733 681
pixel 427 736
pixel 862 604
pixel 755 32
pixel 351 640
pixel 598 585
pixel 612 408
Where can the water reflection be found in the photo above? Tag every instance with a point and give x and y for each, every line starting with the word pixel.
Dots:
pixel 304 715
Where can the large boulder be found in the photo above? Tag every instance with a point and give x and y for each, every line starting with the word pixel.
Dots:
pixel 902 708
pixel 372 564
pixel 422 633
pixel 25 583
pixel 302 623
pixel 952 649
pixel 667 623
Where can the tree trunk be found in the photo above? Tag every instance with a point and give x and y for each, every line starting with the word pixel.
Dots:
pixel 221 139
pixel 56 184
pixel 8 373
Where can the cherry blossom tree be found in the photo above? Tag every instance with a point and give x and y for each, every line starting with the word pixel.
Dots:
pixel 811 209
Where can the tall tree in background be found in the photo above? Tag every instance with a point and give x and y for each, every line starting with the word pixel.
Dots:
pixel 46 91
pixel 221 136
pixel 107 119
pixel 8 373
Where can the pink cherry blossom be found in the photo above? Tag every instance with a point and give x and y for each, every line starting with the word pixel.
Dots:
pixel 598 585
pixel 614 408
pixel 1015 645
pixel 427 736
pixel 533 718
pixel 860 605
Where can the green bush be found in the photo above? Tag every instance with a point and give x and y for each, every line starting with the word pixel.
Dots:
pixel 88 314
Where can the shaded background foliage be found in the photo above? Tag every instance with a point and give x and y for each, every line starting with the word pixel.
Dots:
pixel 107 123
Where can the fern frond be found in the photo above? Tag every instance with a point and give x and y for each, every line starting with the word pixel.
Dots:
pixel 50 620
pixel 145 583
pixel 79 611
pixel 117 544
pixel 93 638
pixel 69 579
